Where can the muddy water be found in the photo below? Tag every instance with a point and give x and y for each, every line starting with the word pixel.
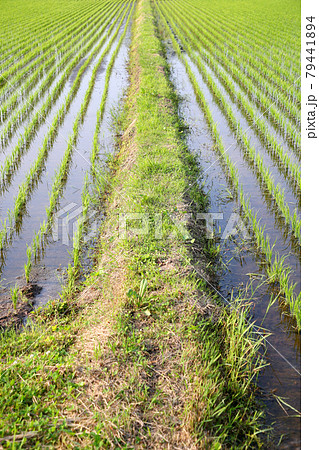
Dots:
pixel 279 378
pixel 48 272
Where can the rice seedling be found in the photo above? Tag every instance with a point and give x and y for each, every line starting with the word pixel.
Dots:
pixel 28 264
pixel 14 295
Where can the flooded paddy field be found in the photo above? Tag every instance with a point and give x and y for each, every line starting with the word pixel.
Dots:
pixel 237 93
pixel 39 215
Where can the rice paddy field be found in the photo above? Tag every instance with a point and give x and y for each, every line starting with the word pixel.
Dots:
pixel 162 112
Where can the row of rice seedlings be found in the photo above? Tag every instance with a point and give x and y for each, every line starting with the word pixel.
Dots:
pixel 261 125
pixel 101 110
pixel 22 42
pixel 11 162
pixel 56 192
pixel 70 47
pixel 235 123
pixel 25 188
pixel 255 95
pixel 57 54
pixel 229 62
pixel 277 270
pixel 99 185
pixel 105 52
pixel 32 59
pixel 260 99
pixel 245 56
pixel 30 26
pixel 274 190
pixel 280 98
pixel 246 25
pixel 231 31
pixel 29 105
pixel 18 47
pixel 276 150
pixel 61 174
pixel 287 129
pixel 15 291
pixel 261 239
pixel 21 71
pixel 74 267
pixel 57 189
pixel 251 42
pixel 248 28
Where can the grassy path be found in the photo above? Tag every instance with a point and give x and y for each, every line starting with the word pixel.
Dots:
pixel 143 356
